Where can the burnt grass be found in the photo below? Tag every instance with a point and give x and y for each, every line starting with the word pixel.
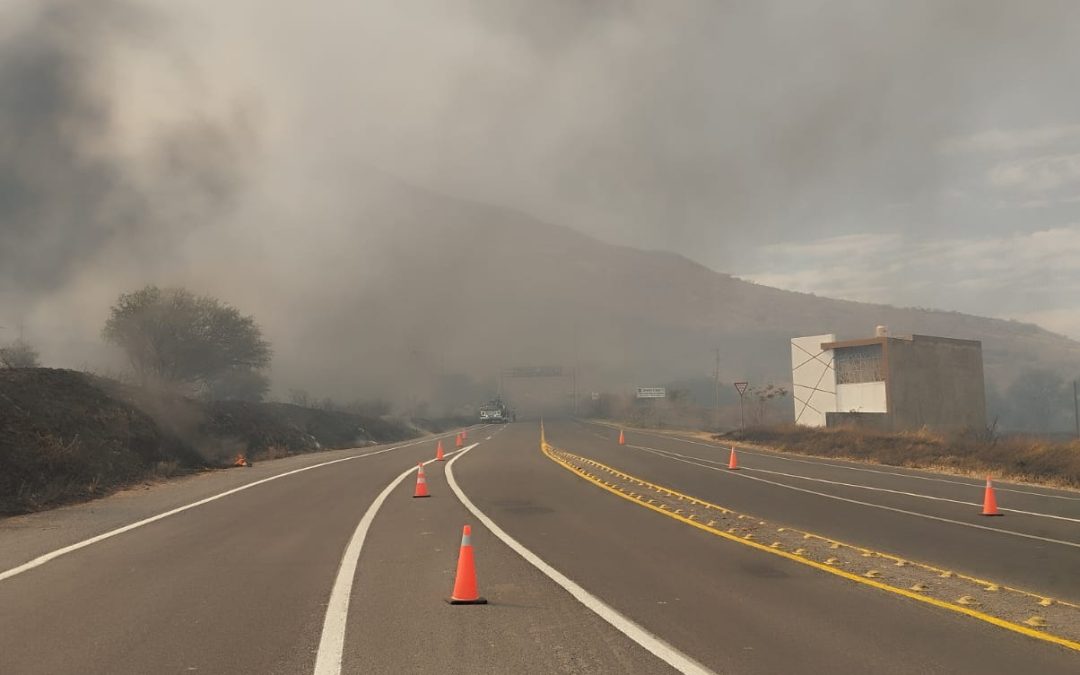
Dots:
pixel 67 436
pixel 1026 458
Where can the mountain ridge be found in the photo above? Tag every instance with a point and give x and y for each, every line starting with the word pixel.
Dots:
pixel 547 293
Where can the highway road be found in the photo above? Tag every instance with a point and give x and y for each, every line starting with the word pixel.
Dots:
pixel 920 515
pixel 251 570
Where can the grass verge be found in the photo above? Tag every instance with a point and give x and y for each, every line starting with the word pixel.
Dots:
pixel 1021 458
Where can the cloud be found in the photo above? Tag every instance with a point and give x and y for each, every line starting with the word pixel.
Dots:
pixel 1037 174
pixel 1012 140
pixel 1026 276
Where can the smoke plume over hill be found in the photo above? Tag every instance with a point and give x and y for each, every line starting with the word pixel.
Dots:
pixel 331 169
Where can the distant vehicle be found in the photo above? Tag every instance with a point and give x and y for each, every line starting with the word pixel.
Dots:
pixel 496 412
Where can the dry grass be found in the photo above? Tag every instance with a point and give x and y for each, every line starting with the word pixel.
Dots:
pixel 168 468
pixel 1027 459
pixel 274 452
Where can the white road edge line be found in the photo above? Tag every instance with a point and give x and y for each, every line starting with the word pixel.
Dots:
pixel 53 555
pixel 856 501
pixel 332 642
pixel 866 487
pixel 652 643
pixel 1001 487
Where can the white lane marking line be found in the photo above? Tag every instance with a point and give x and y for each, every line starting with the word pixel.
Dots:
pixel 654 644
pixel 53 555
pixel 824 462
pixel 332 641
pixel 867 487
pixel 856 501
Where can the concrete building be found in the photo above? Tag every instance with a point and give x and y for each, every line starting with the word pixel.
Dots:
pixel 888 383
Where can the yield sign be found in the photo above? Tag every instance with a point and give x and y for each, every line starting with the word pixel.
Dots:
pixel 741 386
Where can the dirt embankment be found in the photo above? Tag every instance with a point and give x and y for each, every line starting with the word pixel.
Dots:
pixel 1025 458
pixel 67 436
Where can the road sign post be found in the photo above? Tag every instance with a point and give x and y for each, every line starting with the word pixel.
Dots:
pixel 716 412
pixel 741 388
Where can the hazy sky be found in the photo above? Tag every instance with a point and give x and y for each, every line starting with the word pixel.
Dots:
pixel 919 153
pixel 916 153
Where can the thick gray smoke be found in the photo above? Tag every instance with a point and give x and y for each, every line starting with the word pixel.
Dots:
pixel 61 196
pixel 325 166
pixel 69 190
pixel 82 207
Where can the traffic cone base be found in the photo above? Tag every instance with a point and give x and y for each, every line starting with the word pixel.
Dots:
pixel 465 591
pixel 478 601
pixel 990 501
pixel 421 483
pixel 733 462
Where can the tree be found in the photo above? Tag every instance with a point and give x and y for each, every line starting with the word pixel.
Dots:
pixel 239 384
pixel 762 396
pixel 19 354
pixel 177 337
pixel 299 397
pixel 1037 400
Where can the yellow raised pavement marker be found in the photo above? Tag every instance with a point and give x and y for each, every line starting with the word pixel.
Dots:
pixel 1034 626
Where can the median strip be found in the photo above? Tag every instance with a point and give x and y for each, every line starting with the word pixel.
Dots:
pixel 1017 610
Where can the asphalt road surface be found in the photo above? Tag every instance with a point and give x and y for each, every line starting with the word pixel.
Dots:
pixel 242 582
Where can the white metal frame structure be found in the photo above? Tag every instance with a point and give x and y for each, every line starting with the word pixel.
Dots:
pixel 813 379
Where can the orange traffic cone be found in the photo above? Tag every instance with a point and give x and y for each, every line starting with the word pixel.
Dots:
pixel 622 437
pixel 465 592
pixel 990 501
pixel 421 483
pixel 439 452
pixel 458 442
pixel 733 461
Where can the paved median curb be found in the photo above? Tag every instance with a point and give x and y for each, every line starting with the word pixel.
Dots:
pixel 1017 610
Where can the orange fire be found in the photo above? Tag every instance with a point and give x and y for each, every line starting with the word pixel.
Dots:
pixel 241 460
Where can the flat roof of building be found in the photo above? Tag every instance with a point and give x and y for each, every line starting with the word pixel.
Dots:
pixel 841 344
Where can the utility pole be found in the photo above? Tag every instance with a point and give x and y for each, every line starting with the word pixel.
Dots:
pixel 716 413
pixel 1076 405
pixel 577 361
pixel 574 375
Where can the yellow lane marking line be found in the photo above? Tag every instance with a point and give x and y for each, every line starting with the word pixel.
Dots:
pixel 654 644
pixel 833 544
pixel 549 452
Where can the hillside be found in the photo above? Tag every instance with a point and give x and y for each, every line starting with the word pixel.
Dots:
pixel 67 436
pixel 465 287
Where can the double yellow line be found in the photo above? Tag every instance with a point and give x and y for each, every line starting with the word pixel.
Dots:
pixel 549 452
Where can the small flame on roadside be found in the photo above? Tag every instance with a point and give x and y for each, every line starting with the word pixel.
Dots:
pixel 241 460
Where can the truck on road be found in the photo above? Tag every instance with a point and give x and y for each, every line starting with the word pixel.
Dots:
pixel 496 412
